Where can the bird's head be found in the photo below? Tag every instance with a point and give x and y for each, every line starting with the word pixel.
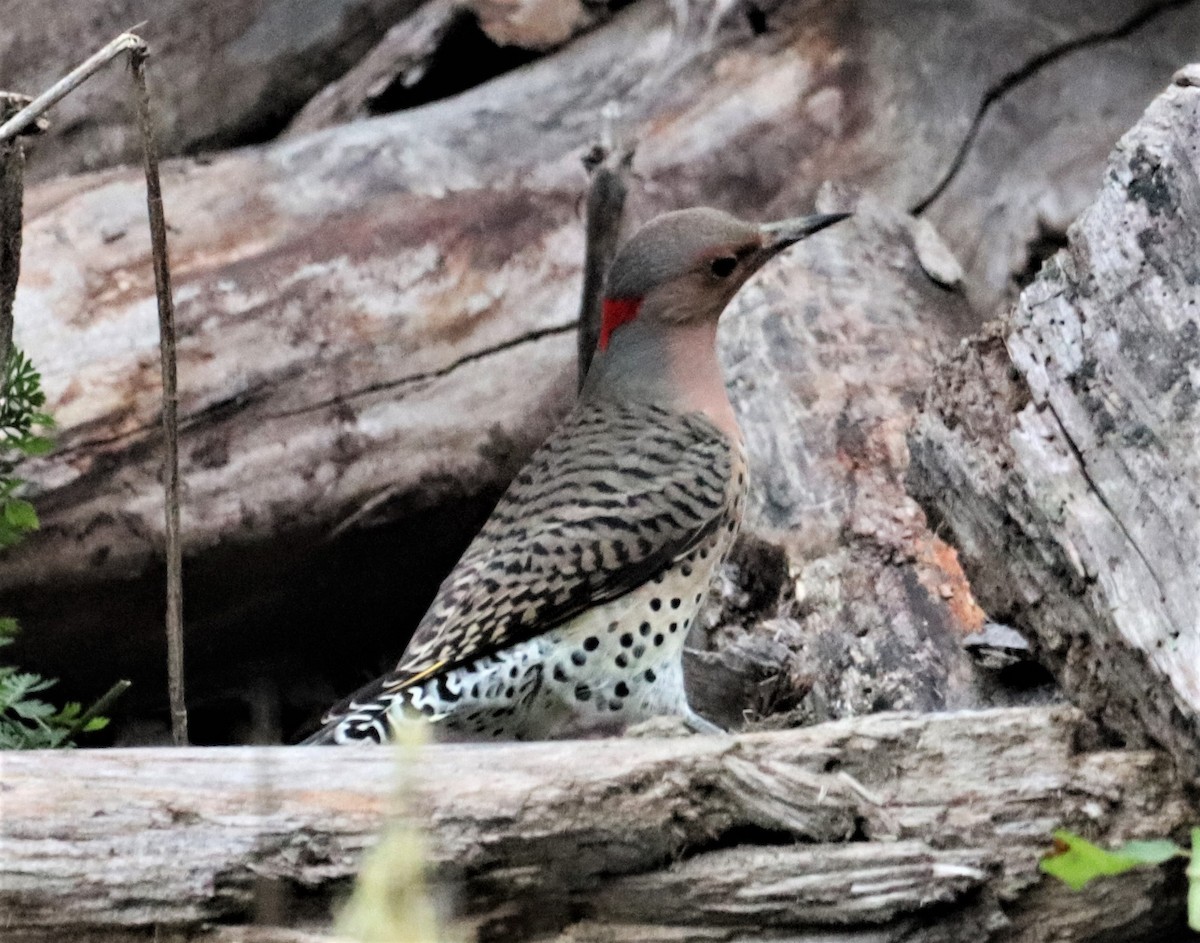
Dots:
pixel 683 268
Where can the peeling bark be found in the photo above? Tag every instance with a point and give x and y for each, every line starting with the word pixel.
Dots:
pixel 1062 451
pixel 887 828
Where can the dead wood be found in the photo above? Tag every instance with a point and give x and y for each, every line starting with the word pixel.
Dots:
pixel 376 326
pixel 1062 449
pixel 891 827
pixel 608 167
pixel 230 71
pixel 12 196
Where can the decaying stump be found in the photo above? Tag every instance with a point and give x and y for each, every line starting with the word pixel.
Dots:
pixel 1061 451
pixel 880 829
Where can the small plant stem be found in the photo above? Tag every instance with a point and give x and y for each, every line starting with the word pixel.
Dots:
pixel 170 401
pixel 101 706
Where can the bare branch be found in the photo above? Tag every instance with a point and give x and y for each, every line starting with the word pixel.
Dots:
pixel 608 163
pixel 67 84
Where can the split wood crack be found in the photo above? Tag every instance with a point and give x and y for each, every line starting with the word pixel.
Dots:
pixel 1030 70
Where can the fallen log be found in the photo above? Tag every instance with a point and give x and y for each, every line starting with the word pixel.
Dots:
pixel 883 828
pixel 376 326
pixel 1062 450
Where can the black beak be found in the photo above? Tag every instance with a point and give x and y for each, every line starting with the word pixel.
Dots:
pixel 777 236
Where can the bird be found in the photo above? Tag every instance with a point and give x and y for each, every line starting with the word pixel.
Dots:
pixel 566 615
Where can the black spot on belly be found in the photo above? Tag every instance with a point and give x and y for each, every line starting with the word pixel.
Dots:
pixel 578 658
pixel 656 604
pixel 591 643
pixel 675 603
pixel 512 672
pixel 559 674
pixel 650 675
pixel 583 692
pixel 644 628
pixel 685 570
pixel 622 660
pixel 509 692
pixel 658 639
pixel 639 651
pixel 626 640
pixel 621 689
pixel 428 710
pixel 674 627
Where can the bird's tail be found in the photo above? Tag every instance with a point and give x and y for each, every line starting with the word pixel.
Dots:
pixel 364 717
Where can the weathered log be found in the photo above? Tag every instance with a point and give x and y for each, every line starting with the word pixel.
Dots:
pixel 446 47
pixel 886 828
pixel 1062 450
pixel 225 71
pixel 1034 158
pixel 362 310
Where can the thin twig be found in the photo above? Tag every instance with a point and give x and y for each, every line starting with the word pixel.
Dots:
pixel 170 400
pixel 608 163
pixel 67 84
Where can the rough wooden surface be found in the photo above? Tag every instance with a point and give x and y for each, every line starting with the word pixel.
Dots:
pixel 1041 142
pixel 840 587
pixel 376 324
pixel 892 827
pixel 1062 450
pixel 225 71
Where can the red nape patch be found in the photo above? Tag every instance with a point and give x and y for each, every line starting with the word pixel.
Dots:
pixel 616 311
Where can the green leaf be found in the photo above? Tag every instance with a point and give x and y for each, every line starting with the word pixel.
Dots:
pixel 37 445
pixel 1076 861
pixel 20 514
pixel 1193 876
pixel 96 723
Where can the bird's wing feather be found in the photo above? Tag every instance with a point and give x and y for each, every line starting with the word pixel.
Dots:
pixel 611 499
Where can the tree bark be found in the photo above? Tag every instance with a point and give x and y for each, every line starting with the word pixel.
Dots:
pixel 12 198
pixel 886 828
pixel 1062 450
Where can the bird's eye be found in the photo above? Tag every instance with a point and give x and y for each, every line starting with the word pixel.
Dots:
pixel 724 266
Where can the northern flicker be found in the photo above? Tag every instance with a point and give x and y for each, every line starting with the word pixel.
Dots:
pixel 567 614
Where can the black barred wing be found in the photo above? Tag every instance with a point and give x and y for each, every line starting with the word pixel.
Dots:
pixel 610 500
